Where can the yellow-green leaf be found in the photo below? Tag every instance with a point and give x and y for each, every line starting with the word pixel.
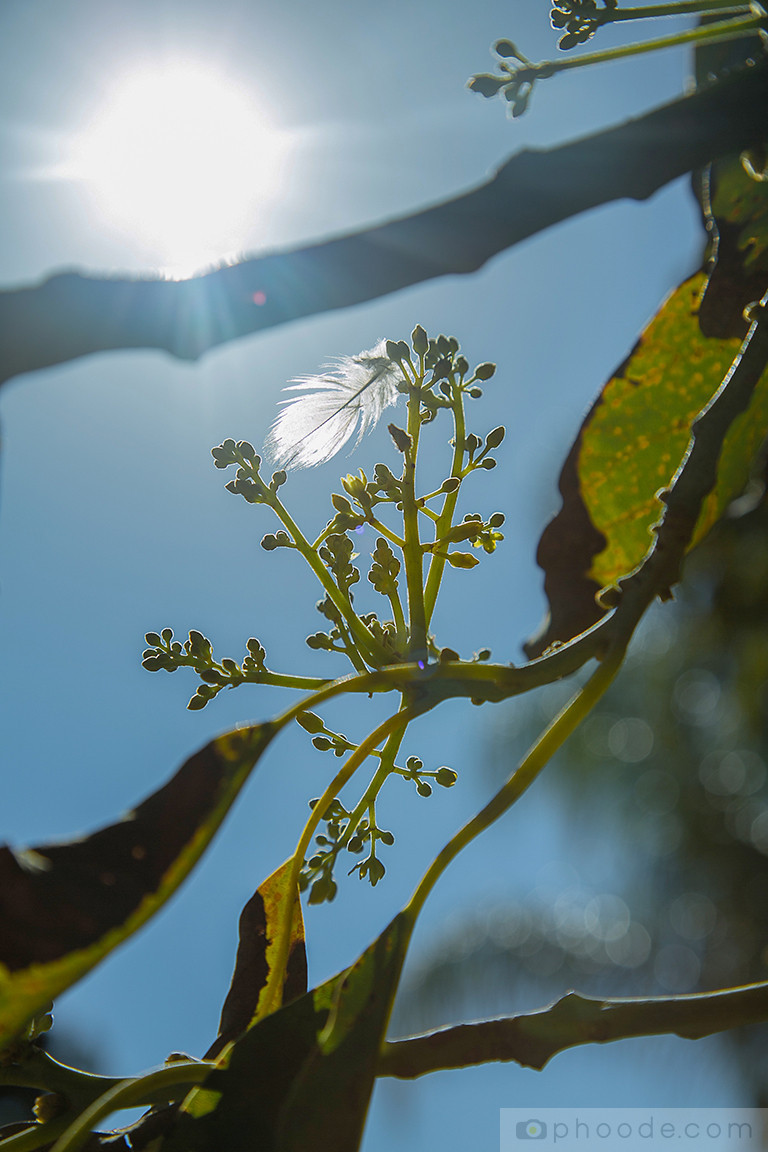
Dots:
pixel 257 954
pixel 629 448
pixel 303 1075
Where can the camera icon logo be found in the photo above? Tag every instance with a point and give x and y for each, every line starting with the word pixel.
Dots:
pixel 531 1130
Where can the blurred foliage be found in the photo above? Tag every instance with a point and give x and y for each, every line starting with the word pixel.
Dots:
pixel 674 763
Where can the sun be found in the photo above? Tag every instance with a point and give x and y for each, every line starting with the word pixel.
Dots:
pixel 182 158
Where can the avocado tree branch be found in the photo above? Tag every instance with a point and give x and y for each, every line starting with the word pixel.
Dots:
pixel 534 1038
pixel 71 314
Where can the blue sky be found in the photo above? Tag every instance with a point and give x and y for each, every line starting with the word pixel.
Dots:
pixel 113 520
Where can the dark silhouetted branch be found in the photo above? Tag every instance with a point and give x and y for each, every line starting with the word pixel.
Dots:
pixel 532 1040
pixel 72 315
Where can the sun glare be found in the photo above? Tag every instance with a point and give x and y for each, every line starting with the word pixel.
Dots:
pixel 181 157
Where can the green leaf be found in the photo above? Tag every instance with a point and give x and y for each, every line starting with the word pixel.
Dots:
pixel 306 1071
pixel 628 449
pixel 256 956
pixel 63 907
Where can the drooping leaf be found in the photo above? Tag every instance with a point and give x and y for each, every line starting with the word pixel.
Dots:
pixel 628 449
pixel 256 956
pixel 63 907
pixel 632 440
pixel 302 1077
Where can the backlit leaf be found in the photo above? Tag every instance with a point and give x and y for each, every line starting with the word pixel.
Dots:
pixel 629 448
pixel 63 907
pixel 256 956
pixel 305 1071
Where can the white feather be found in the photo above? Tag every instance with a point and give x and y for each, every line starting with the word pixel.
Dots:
pixel 351 393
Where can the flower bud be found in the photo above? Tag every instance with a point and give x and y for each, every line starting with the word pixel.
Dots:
pixel 506 49
pixel 419 340
pixel 485 371
pixel 446 777
pixel 486 84
pixel 401 438
pixel 309 722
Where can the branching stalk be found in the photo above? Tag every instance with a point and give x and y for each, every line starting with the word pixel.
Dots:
pixel 445 519
pixel 276 978
pixel 733 29
pixel 160 1086
pixel 367 645
pixel 388 755
pixel 398 617
pixel 386 532
pixel 104 1095
pixel 412 554
pixel 350 650
pixel 675 8
pixel 524 775
pixel 283 680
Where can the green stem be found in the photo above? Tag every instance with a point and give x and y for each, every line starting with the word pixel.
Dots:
pixel 327 692
pixel 350 651
pixel 39 1070
pixel 720 32
pixel 368 682
pixel 104 1095
pixel 683 8
pixel 157 1087
pixel 388 754
pixel 430 496
pixel 384 531
pixel 398 617
pixel 273 990
pixel 35 1136
pixel 369 648
pixel 303 683
pixel 483 681
pixel 445 519
pixel 412 554
pixel 523 776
